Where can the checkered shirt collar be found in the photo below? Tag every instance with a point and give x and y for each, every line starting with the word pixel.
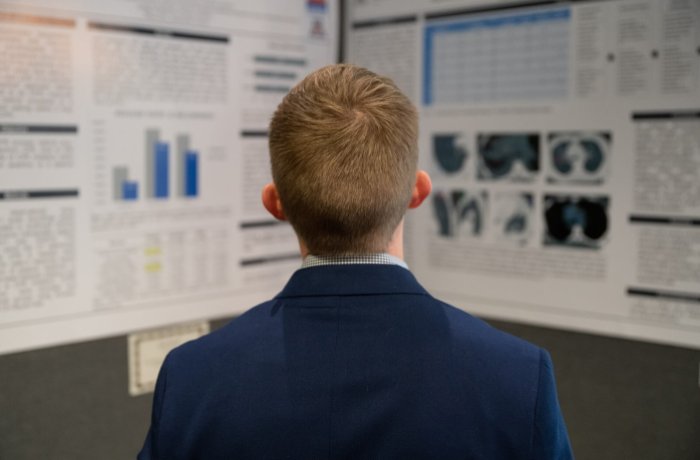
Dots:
pixel 355 259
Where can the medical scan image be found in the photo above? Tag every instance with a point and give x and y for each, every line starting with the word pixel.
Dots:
pixel 512 215
pixel 459 213
pixel 580 222
pixel 450 153
pixel 508 157
pixel 578 157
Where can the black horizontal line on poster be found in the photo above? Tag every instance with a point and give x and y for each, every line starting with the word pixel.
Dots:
pixel 281 60
pixel 253 133
pixel 384 22
pixel 38 194
pixel 665 115
pixel 167 33
pixel 490 9
pixel 37 129
pixel 685 296
pixel 272 89
pixel 261 223
pixel 269 259
pixel 273 74
pixel 664 220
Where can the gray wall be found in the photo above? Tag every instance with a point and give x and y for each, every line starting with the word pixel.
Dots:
pixel 621 399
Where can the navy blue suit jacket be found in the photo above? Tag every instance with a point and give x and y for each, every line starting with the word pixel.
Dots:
pixel 356 362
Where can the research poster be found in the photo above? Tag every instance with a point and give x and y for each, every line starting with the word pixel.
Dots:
pixel 133 149
pixel 563 140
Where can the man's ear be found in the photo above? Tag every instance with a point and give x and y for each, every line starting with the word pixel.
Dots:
pixel 421 189
pixel 271 201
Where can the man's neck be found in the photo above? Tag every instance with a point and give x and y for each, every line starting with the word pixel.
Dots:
pixel 394 248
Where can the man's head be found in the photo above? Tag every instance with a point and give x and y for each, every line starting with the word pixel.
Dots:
pixel 343 148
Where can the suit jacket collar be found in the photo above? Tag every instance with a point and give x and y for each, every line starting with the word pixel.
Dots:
pixel 359 279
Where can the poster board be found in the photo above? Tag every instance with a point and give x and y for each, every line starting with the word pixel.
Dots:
pixel 133 148
pixel 563 140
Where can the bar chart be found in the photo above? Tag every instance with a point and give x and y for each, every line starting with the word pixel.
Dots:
pixel 160 170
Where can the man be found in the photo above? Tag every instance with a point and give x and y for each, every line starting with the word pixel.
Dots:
pixel 353 359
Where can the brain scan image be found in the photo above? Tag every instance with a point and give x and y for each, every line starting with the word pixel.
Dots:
pixel 512 216
pixel 450 153
pixel 459 213
pixel 578 157
pixel 509 157
pixel 576 221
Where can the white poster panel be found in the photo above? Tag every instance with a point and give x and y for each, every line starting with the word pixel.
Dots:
pixel 563 140
pixel 133 148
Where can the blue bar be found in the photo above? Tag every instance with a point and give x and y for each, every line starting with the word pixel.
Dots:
pixel 161 170
pixel 130 190
pixel 191 173
pixel 428 67
pixel 467 25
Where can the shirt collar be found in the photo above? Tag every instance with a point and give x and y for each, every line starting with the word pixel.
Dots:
pixel 381 258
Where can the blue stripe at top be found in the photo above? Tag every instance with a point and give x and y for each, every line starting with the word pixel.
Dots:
pixel 466 25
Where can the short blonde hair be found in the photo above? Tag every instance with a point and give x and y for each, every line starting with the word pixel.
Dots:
pixel 344 151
